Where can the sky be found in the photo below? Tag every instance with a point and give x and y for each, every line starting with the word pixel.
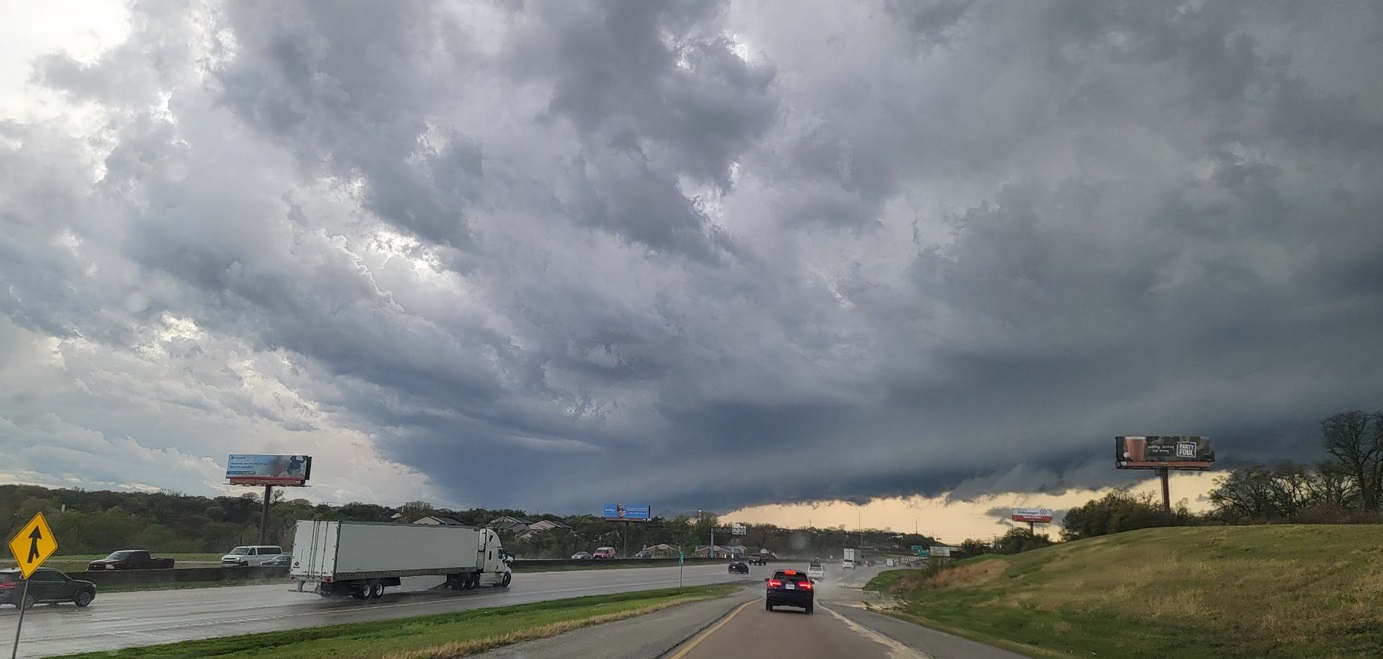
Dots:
pixel 763 258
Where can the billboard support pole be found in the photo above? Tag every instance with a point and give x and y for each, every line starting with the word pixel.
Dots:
pixel 626 538
pixel 1166 494
pixel 264 516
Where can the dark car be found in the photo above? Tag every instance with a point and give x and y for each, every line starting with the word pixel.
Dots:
pixel 130 559
pixel 789 588
pixel 45 585
pixel 282 560
pixel 740 567
pixel 758 559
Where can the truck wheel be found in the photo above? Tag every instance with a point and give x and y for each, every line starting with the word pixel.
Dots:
pixel 504 580
pixel 376 589
pixel 83 598
pixel 360 590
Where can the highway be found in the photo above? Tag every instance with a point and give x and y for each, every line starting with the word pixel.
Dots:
pixel 118 620
pixel 739 626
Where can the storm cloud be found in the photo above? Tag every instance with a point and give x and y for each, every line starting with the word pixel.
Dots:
pixel 693 253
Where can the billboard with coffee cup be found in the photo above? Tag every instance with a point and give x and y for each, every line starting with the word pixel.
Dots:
pixel 1164 452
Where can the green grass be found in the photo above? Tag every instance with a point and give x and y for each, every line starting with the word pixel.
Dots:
pixel 1215 592
pixel 437 636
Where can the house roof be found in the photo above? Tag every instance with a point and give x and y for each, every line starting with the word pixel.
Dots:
pixel 506 523
pixel 547 525
pixel 438 521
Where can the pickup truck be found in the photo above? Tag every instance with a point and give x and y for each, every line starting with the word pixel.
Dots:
pixel 130 559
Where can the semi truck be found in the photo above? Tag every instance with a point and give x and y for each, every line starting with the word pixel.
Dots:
pixel 359 559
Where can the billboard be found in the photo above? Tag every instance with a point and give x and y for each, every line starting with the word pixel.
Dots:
pixel 1170 452
pixel 627 512
pixel 250 469
pixel 940 551
pixel 1035 515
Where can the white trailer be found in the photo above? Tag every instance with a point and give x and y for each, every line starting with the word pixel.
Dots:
pixel 848 562
pixel 360 558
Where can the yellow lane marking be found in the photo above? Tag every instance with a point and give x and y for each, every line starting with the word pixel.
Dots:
pixel 706 634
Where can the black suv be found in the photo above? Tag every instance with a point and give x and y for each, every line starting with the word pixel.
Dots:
pixel 45 585
pixel 791 588
pixel 758 559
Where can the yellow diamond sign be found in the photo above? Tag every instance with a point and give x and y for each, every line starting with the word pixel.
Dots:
pixel 33 545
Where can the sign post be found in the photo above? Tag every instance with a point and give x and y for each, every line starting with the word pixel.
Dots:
pixel 268 470
pixel 1163 453
pixel 31 547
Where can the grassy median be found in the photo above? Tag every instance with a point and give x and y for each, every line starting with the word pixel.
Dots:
pixel 430 637
pixel 1215 592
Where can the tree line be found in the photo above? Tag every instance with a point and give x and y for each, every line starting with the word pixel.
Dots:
pixel 1345 487
pixel 98 522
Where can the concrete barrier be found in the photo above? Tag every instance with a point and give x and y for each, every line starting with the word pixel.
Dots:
pixel 179 575
pixel 204 574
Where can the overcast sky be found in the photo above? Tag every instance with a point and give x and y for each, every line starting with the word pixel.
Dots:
pixel 705 255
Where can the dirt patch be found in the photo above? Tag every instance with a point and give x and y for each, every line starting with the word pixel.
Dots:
pixel 968 576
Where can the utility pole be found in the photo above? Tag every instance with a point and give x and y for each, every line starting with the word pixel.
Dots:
pixel 264 516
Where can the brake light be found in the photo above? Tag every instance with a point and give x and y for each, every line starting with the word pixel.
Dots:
pixel 6 585
pixel 804 585
pixel 789 572
pixel 774 583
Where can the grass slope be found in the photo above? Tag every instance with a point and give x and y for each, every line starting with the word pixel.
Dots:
pixel 1217 592
pixel 429 637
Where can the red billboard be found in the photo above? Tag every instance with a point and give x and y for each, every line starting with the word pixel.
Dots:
pixel 1034 515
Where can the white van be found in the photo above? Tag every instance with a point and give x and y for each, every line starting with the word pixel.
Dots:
pixel 250 555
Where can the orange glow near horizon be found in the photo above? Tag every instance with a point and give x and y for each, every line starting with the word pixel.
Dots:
pixel 955 521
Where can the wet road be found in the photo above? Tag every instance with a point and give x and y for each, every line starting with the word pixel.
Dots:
pixel 120 620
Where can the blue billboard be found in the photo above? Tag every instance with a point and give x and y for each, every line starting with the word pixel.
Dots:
pixel 627 512
pixel 250 469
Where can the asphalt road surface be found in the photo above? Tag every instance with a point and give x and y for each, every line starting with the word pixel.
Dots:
pixel 740 627
pixel 118 620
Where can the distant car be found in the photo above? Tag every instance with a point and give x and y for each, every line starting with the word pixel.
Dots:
pixel 45 585
pixel 250 555
pixel 643 554
pixel 604 552
pixel 758 559
pixel 815 571
pixel 740 567
pixel 789 588
pixel 282 560
pixel 581 556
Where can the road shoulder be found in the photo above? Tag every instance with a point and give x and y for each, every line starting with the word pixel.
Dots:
pixel 641 637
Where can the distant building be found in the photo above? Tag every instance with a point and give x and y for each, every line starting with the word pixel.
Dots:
pixel 510 524
pixel 540 526
pixel 434 520
pixel 718 551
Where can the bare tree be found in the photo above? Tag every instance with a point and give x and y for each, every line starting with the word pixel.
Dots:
pixel 1355 440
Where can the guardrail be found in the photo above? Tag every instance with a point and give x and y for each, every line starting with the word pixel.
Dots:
pixel 179 575
pixel 191 574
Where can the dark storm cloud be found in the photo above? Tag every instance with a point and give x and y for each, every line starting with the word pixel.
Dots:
pixel 552 254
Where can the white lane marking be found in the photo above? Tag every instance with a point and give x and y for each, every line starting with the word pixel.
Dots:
pixel 896 650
